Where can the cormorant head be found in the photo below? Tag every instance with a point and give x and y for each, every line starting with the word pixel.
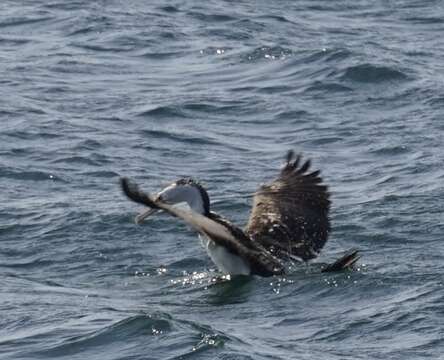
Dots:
pixel 185 190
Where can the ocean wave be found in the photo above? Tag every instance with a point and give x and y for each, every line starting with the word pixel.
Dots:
pixel 166 111
pixel 391 150
pixel 427 20
pixel 158 331
pixel 83 160
pixel 210 18
pixel 101 174
pixel 20 21
pixel 190 109
pixel 327 55
pixel 14 41
pixel 162 55
pixel 178 136
pixel 369 73
pixel 278 18
pixel 327 87
pixel 29 175
pixel 120 332
pixel 295 115
pixel 169 9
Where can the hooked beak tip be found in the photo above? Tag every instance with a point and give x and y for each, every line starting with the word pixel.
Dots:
pixel 143 215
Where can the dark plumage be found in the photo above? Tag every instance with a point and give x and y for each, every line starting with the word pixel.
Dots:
pixel 290 215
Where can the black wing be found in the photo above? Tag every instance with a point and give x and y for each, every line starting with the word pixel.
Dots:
pixel 222 233
pixel 290 215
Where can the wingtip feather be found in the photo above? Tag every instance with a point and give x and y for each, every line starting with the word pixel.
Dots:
pixel 290 156
pixel 131 190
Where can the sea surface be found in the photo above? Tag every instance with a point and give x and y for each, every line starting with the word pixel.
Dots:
pixel 218 90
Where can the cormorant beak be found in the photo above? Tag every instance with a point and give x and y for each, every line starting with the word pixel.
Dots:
pixel 146 213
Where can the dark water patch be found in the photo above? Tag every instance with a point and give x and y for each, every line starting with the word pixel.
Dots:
pixel 16 152
pixel 171 36
pixel 68 66
pixel 341 6
pixel 164 111
pixel 134 41
pixel 368 73
pixel 13 41
pixel 32 135
pixel 243 89
pixel 325 140
pixel 101 48
pixel 277 18
pixel 188 263
pixel 57 90
pixel 417 53
pixel 161 55
pixel 88 144
pixel 435 100
pixel 169 9
pixel 112 118
pixel 349 228
pixel 188 110
pixel 337 54
pixel 8 113
pixel 193 139
pixel 21 21
pixel 295 115
pixel 228 34
pixel 62 5
pixel 79 160
pixel 326 55
pixel 101 174
pixel 37 111
pixel 83 31
pixel 327 87
pixel 12 229
pixel 248 27
pixel 388 179
pixel 425 20
pixel 28 175
pixel 275 89
pixel 227 355
pixel 27 264
pixel 391 150
pixel 210 18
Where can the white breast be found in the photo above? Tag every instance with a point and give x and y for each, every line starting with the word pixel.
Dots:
pixel 226 262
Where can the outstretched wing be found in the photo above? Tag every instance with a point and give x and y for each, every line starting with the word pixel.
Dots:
pixel 290 215
pixel 261 262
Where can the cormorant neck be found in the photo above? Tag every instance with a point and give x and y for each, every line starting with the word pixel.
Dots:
pixel 190 192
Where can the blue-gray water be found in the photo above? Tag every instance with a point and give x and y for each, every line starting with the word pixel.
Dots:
pixel 218 90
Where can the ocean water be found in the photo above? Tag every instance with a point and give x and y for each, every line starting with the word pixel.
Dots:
pixel 218 90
